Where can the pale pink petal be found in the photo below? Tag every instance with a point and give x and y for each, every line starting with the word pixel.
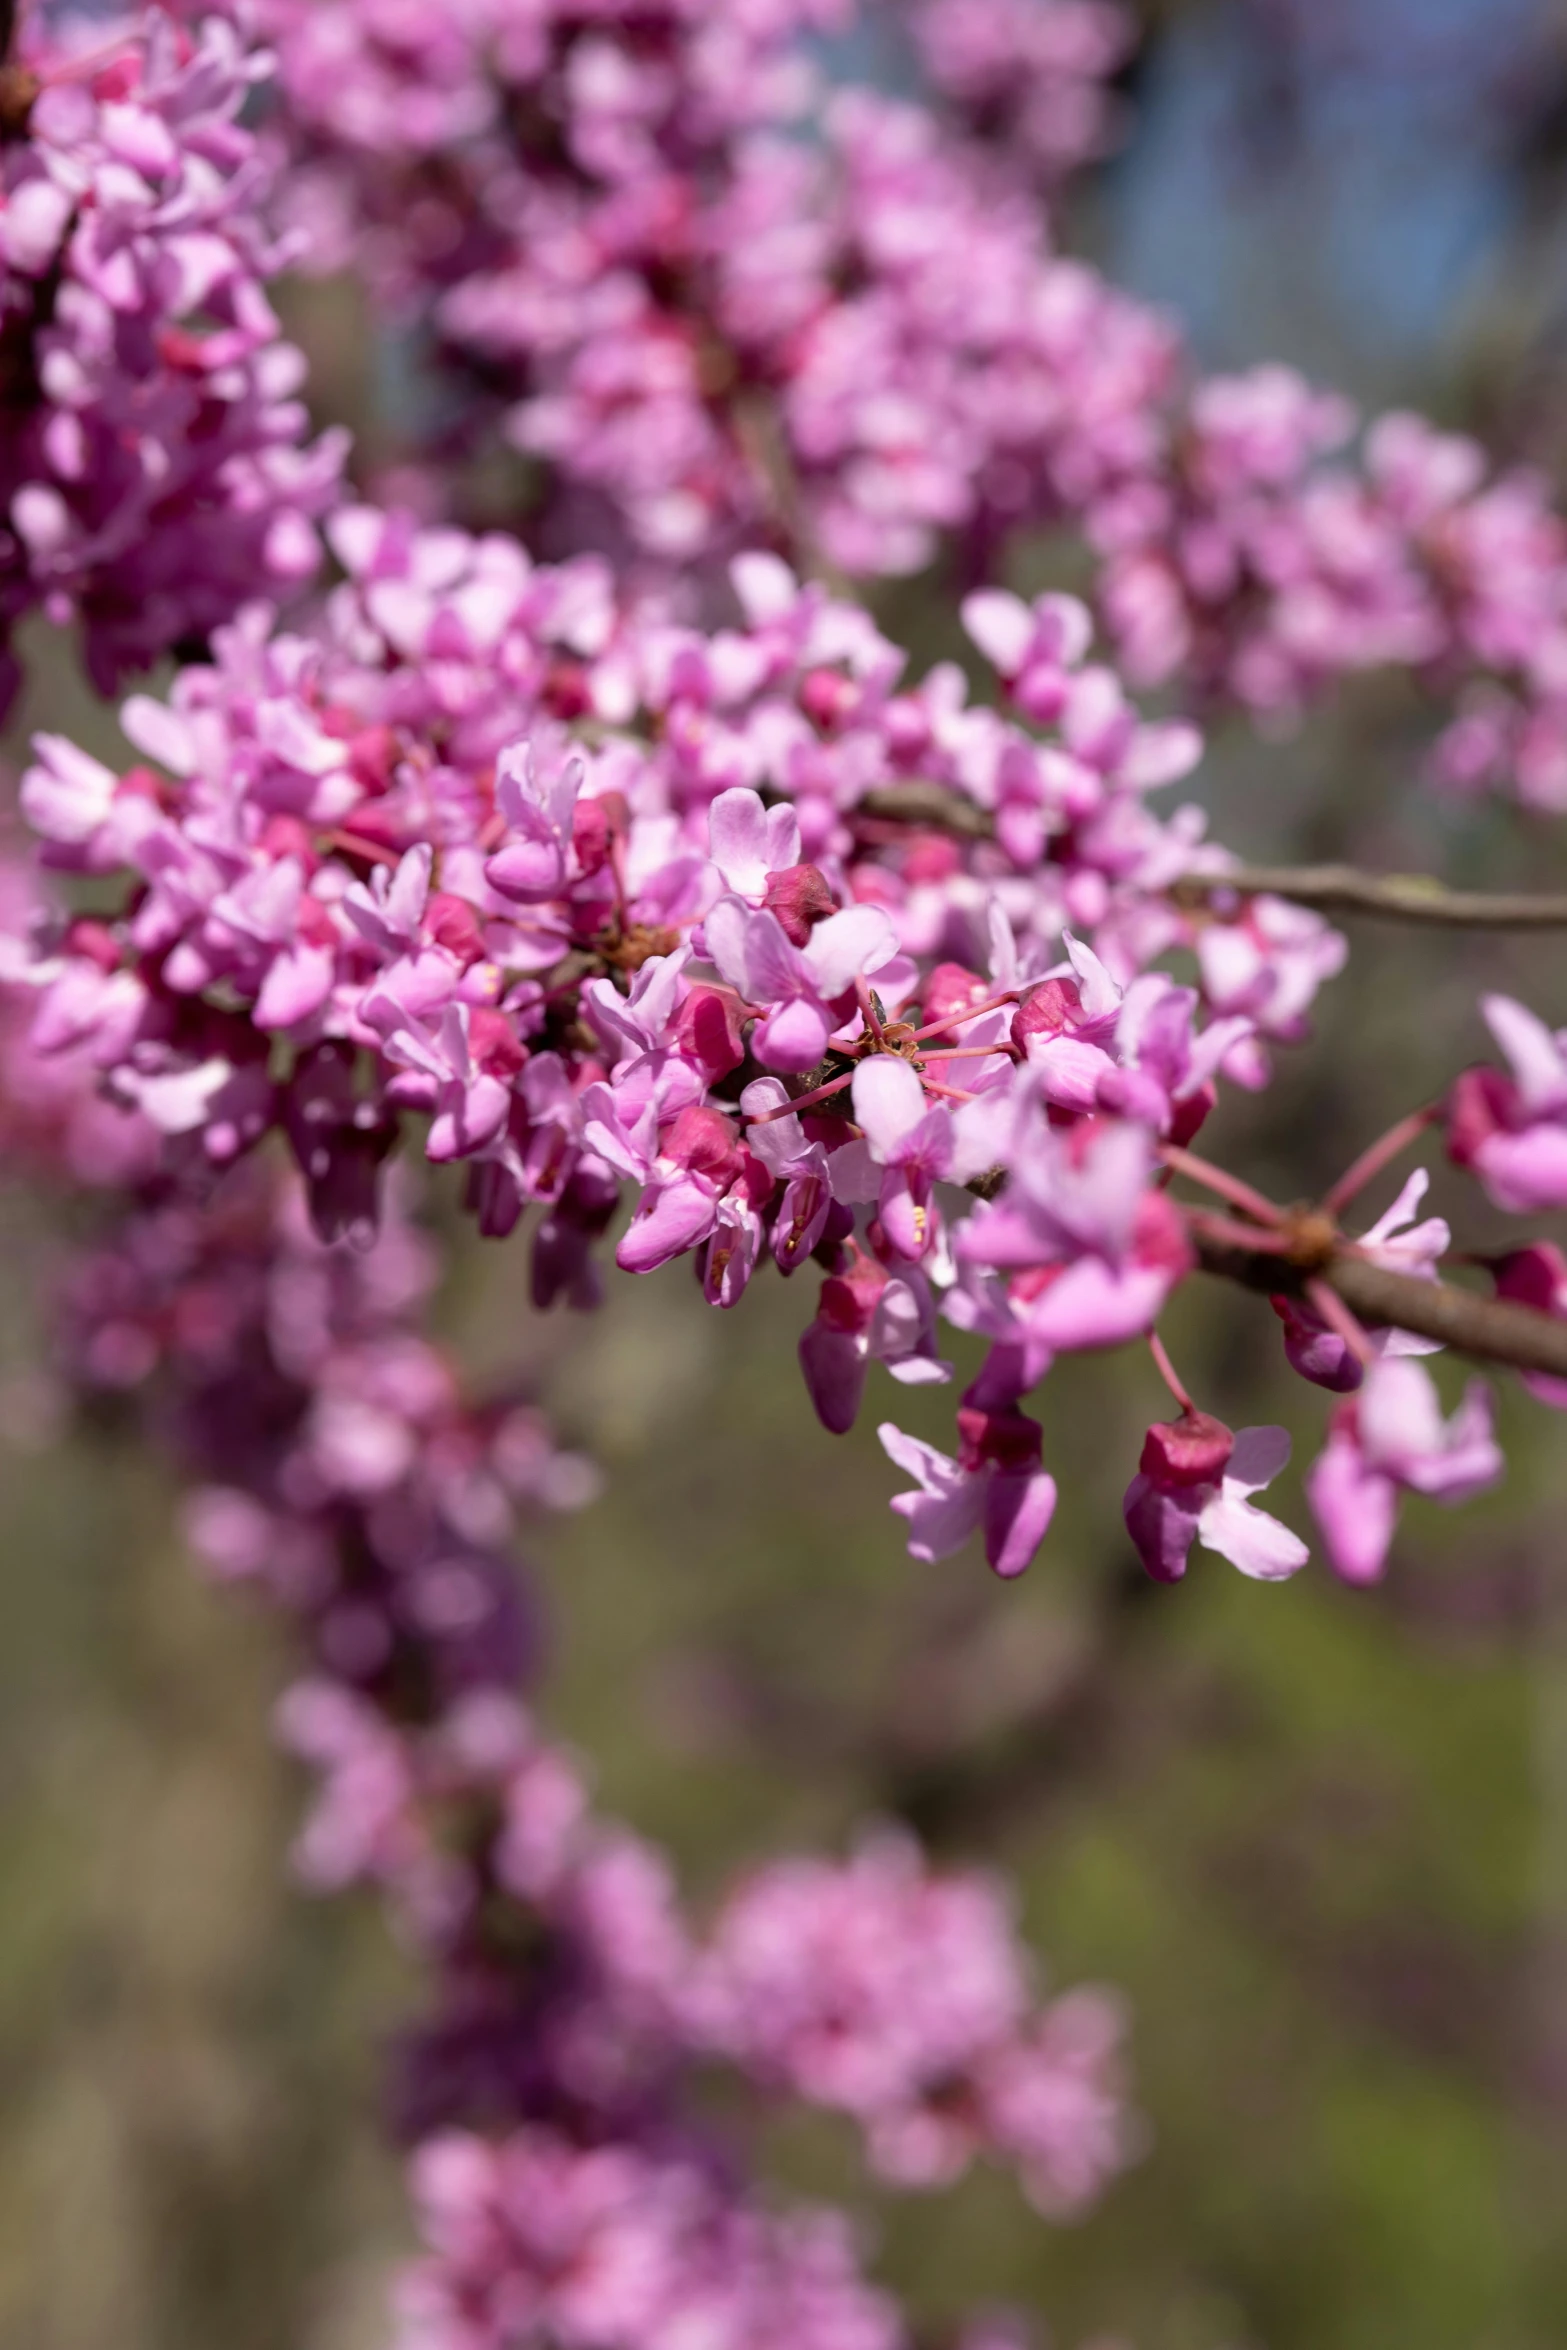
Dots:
pixel 858 940
pixel 737 832
pixel 1249 1538
pixel 1535 1054
pixel 1260 1455
pixel 889 1103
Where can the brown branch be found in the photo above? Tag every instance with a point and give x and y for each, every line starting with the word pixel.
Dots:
pixel 1327 889
pixel 1398 897
pixel 932 807
pixel 1488 1329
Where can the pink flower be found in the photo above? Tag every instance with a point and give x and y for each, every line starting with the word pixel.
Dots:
pixel 465 1064
pixel 910 1138
pixel 1536 1276
pixel 1513 1131
pixel 868 1315
pixel 750 843
pixel 1391 1439
pixel 995 1483
pixel 1033 647
pixel 534 861
pixel 802 987
pixel 1194 1484
pixel 1395 1241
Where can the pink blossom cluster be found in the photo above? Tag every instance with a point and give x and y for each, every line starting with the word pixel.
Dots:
pixel 336 1464
pixel 156 469
pixel 565 2188
pixel 653 888
pixel 602 901
pixel 53 1118
pixel 706 330
pixel 899 1998
pixel 1029 81
pixel 534 2240
pixel 1262 563
pixel 628 255
pixel 595 898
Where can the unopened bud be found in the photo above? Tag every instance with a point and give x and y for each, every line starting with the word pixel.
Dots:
pixel 1192 1450
pixel 800 898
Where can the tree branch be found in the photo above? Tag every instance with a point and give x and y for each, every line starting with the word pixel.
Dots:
pixel 1398 897
pixel 933 807
pixel 1327 889
pixel 1488 1329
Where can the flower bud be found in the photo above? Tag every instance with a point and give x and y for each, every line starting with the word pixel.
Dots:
pixel 1192 1450
pixel 1478 1106
pixel 1046 1010
pixel 949 989
pixel 800 898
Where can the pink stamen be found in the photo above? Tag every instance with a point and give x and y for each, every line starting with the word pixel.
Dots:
pixel 1167 1371
pixel 803 1101
pixel 1371 1162
pixel 956 1019
pixel 1326 1301
pixel 1240 1195
pixel 973 1052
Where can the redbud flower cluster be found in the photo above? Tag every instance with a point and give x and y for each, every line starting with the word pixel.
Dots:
pixel 603 901
pixel 156 468
pixel 599 900
pixel 709 329
pixel 565 2188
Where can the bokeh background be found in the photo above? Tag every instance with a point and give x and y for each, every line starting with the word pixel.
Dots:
pixel 1319 1838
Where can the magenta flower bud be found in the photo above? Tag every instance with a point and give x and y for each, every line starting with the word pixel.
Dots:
pixel 1478 1106
pixel 567 693
pixel 450 922
pixel 707 1030
pixel 834 1350
pixel 1315 1351
pixel 704 1142
pixel 1536 1276
pixel 998 1440
pixel 848 1300
pixel 1533 1276
pixel 1190 1114
pixel 828 698
pixel 1193 1450
pixel 931 857
pixel 800 898
pixel 495 1045
pixel 94 941
pixel 592 829
pixel 949 989
pixel 1046 1010
pixel 286 836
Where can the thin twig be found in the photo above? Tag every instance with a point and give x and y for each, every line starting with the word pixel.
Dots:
pixel 1381 1154
pixel 933 806
pixel 1167 1371
pixel 1328 889
pixel 1244 1196
pixel 1398 897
